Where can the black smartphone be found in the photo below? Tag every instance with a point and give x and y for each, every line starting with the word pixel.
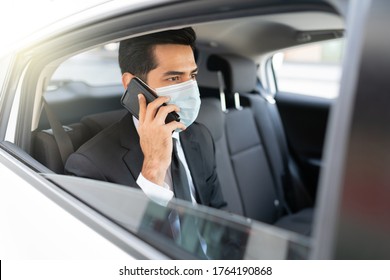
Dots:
pixel 129 98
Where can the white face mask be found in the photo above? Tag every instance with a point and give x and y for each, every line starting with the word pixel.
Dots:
pixel 186 97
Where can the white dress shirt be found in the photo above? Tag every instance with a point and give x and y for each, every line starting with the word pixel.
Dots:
pixel 163 194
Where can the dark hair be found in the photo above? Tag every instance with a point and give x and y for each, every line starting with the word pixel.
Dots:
pixel 136 54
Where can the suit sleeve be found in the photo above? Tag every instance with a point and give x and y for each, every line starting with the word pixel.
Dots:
pixel 81 166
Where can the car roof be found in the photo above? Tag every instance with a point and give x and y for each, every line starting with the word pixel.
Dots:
pixel 313 20
pixel 291 29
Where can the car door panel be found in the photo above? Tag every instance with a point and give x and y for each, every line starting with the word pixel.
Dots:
pixel 305 120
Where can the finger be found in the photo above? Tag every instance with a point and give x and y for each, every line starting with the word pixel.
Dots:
pixel 153 107
pixel 142 108
pixel 164 111
pixel 172 126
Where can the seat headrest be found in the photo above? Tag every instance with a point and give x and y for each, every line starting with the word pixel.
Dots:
pixel 239 73
pixel 212 117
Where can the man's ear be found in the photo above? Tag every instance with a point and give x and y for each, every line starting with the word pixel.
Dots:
pixel 126 78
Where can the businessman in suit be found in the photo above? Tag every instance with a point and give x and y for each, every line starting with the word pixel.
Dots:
pixel 138 152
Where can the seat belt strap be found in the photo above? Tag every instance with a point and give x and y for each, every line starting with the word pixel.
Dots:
pixel 63 140
pixel 291 179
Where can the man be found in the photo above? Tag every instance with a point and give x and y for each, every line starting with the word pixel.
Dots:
pixel 138 153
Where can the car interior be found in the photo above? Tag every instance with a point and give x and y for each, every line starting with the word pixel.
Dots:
pixel 268 142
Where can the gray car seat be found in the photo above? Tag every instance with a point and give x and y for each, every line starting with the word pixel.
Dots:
pixel 257 160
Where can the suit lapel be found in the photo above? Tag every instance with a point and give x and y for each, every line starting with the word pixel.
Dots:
pixel 130 140
pixel 193 156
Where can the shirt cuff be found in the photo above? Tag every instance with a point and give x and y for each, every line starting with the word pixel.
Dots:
pixel 159 194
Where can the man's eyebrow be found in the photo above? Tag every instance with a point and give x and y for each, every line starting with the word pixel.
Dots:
pixel 173 73
pixel 178 73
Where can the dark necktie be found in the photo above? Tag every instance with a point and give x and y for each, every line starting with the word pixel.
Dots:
pixel 184 229
pixel 181 187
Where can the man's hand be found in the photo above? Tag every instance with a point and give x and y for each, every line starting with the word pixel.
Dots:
pixel 156 137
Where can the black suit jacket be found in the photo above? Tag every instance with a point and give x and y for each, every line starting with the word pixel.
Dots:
pixel 115 155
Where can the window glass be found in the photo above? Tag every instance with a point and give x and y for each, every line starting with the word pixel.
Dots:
pixel 96 67
pixel 313 69
pixel 182 231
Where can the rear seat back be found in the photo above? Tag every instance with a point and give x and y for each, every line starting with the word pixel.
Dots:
pixel 286 172
pixel 98 122
pixel 45 147
pixel 251 168
pixel 213 118
pixel 81 100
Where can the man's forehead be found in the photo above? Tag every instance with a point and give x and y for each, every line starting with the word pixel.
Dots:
pixel 172 57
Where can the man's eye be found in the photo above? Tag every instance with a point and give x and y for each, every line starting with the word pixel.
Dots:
pixel 193 76
pixel 174 79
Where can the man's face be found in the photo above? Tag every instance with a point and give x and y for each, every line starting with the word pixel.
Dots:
pixel 175 64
